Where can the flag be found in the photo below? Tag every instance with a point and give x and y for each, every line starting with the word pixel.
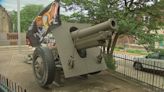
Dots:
pixel 47 20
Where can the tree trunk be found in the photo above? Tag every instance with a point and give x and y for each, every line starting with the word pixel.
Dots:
pixel 109 56
pixel 109 44
pixel 114 43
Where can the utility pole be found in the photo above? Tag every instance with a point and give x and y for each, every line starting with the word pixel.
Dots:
pixel 18 24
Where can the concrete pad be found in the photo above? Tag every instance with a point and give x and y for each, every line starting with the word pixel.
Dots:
pixel 13 67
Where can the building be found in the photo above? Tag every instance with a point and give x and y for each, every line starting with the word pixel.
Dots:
pixel 5 28
pixel 5 21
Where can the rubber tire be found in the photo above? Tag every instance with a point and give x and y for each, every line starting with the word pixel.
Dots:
pixel 136 67
pixel 48 63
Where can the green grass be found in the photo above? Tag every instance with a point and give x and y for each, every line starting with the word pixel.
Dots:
pixel 118 48
pixel 135 51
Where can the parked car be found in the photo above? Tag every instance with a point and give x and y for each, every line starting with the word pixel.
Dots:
pixel 153 61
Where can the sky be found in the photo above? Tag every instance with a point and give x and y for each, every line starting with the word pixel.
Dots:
pixel 12 4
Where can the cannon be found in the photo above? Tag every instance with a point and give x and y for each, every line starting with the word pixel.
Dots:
pixel 77 52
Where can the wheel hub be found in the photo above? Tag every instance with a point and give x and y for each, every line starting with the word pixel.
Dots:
pixel 39 67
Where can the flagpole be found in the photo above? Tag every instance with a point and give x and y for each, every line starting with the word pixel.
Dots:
pixel 18 24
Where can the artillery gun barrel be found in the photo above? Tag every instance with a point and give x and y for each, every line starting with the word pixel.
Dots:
pixel 107 25
pixel 93 36
pixel 92 40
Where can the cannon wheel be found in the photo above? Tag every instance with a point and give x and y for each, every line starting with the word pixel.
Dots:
pixel 43 66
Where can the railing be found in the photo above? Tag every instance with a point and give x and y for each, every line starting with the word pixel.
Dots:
pixel 7 85
pixel 7 39
pixel 13 38
pixel 150 73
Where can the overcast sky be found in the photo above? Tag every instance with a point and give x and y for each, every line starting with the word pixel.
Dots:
pixel 12 4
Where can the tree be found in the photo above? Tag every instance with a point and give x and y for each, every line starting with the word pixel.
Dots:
pixel 28 13
pixel 14 20
pixel 128 14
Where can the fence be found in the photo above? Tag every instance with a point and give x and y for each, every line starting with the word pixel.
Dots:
pixel 13 38
pixel 7 39
pixel 7 85
pixel 146 71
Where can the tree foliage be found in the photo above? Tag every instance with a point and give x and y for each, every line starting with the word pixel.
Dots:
pixel 28 13
pixel 129 15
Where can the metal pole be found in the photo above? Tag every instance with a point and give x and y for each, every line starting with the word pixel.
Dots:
pixel 18 24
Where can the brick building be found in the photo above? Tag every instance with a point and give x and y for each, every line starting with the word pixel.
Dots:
pixel 5 21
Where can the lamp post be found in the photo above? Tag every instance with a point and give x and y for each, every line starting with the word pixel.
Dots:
pixel 18 24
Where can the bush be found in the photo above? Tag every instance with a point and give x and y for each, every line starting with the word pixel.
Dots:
pixel 110 61
pixel 161 51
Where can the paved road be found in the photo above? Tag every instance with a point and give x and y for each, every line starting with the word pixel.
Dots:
pixel 12 66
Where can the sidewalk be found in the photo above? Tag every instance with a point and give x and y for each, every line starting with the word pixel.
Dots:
pixel 13 67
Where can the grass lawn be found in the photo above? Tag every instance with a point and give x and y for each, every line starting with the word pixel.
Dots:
pixel 134 51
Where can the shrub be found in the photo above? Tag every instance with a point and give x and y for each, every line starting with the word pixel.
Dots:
pixel 110 61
